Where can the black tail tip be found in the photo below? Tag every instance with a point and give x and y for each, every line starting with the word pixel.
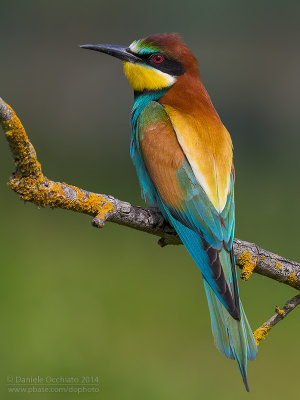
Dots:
pixel 246 384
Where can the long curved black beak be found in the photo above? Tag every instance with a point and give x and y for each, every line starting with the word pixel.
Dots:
pixel 121 52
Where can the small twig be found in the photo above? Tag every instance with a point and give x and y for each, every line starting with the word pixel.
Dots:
pixel 265 328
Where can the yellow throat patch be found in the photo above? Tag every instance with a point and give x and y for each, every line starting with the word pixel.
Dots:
pixel 142 77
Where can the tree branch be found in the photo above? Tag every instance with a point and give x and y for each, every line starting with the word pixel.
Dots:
pixel 32 185
pixel 281 313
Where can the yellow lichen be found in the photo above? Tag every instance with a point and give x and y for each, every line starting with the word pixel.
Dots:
pixel 45 192
pixel 278 265
pixel 279 311
pixel 262 257
pixel 248 264
pixel 23 151
pixel 261 333
pixel 292 279
pixel 30 183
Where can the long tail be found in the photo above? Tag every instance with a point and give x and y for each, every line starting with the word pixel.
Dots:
pixel 232 337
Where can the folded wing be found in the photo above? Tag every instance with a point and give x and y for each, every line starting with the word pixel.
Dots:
pixel 187 205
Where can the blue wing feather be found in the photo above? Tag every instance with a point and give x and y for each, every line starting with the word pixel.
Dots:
pixel 198 208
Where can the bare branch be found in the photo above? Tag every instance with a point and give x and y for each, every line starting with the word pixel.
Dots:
pixel 32 185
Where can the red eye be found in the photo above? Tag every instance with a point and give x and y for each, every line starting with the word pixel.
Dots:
pixel 158 58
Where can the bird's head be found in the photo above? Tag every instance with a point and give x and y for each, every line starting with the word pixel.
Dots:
pixel 153 63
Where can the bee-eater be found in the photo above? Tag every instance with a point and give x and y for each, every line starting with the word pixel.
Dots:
pixel 183 156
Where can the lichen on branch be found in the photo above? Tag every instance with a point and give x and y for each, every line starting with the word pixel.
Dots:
pixel 280 314
pixel 32 185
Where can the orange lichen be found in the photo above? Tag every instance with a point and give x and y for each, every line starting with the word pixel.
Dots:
pixel 248 264
pixel 261 333
pixel 292 279
pixel 279 311
pixel 23 151
pixel 44 193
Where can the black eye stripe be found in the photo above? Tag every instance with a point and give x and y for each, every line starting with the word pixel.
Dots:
pixel 169 66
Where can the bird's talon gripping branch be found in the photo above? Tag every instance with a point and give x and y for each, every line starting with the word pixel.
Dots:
pixel 166 241
pixel 162 242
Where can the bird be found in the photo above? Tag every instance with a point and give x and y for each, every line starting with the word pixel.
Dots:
pixel 183 155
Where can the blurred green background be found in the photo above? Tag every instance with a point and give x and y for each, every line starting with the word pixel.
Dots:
pixel 76 301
